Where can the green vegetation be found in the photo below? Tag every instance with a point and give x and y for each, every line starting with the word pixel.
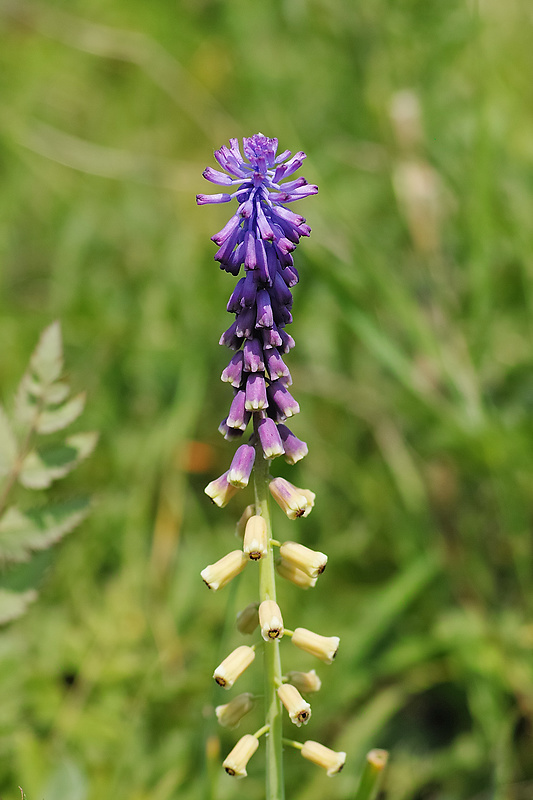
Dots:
pixel 413 368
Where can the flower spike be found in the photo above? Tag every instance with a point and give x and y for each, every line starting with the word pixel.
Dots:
pixel 256 245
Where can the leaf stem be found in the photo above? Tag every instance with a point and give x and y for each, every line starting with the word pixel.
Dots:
pixel 275 786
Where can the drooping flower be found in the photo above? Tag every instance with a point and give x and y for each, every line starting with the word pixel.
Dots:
pixel 260 236
pixel 233 666
pixel 230 714
pixel 330 760
pixel 323 647
pixel 298 708
pixel 236 761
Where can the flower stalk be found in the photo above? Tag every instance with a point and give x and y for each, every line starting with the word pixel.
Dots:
pixel 275 786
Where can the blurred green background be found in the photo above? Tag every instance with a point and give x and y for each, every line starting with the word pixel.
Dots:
pixel 413 368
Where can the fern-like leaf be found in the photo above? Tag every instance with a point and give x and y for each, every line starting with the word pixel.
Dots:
pixel 23 533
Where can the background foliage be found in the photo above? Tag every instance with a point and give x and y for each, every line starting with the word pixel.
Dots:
pixel 413 368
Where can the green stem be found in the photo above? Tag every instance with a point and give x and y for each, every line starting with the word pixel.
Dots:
pixel 275 787
pixel 376 761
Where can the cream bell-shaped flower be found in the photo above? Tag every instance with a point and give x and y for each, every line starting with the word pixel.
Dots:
pixel 240 528
pixel 230 714
pixel 217 575
pixel 236 761
pixel 328 759
pixel 312 562
pixel 299 710
pixel 305 682
pixel 255 538
pixel 294 574
pixel 323 647
pixel 270 620
pixel 220 490
pixel 293 501
pixel 233 666
pixel 248 619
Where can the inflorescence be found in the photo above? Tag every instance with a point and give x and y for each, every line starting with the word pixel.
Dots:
pixel 261 236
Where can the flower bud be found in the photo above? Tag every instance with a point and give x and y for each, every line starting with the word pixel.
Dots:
pixel 241 466
pixel 248 512
pixel 293 501
pixel 328 759
pixel 217 575
pixel 312 562
pixel 256 397
pixel 323 647
pixel 233 666
pixel 269 438
pixel 305 682
pixel 220 490
pixel 294 575
pixel 248 619
pixel 230 714
pixel 255 538
pixel 294 448
pixel 270 620
pixel 235 763
pixel 299 710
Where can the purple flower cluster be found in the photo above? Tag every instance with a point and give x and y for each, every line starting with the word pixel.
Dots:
pixel 260 236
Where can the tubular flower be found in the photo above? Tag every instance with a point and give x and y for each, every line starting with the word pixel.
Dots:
pixel 230 714
pixel 233 666
pixel 304 681
pixel 328 759
pixel 299 710
pixel 260 237
pixel 312 562
pixel 236 761
pixel 323 647
pixel 255 538
pixel 248 619
pixel 293 501
pixel 295 575
pixel 270 620
pixel 219 574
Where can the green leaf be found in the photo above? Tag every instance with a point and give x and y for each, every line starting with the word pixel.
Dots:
pixel 40 386
pixel 51 420
pixel 8 444
pixel 44 465
pixel 14 604
pixel 47 359
pixel 22 533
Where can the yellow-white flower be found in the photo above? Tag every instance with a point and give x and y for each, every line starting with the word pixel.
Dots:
pixel 240 528
pixel 255 538
pixel 323 647
pixel 220 490
pixel 293 501
pixel 294 575
pixel 230 714
pixel 235 763
pixel 299 710
pixel 270 620
pixel 217 575
pixel 312 562
pixel 233 666
pixel 248 619
pixel 305 682
pixel 328 759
